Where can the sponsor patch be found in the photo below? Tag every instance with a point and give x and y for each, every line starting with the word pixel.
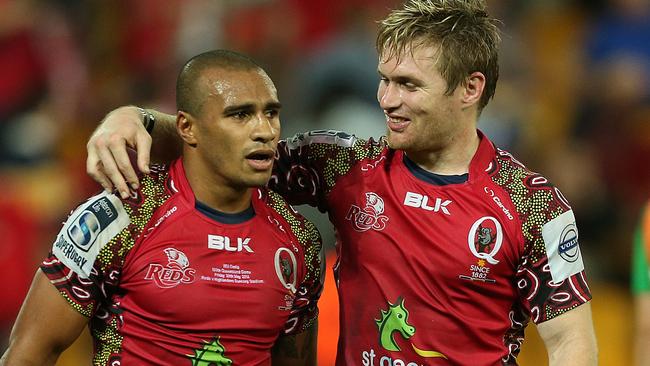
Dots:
pixel 88 229
pixel 562 249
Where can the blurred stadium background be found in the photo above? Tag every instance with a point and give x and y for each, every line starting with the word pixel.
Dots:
pixel 573 102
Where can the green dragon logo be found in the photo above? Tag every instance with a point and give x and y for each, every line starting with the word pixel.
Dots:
pixel 395 319
pixel 211 354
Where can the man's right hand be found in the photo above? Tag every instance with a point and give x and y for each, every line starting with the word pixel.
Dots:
pixel 108 160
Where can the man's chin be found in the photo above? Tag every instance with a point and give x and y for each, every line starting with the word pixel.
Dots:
pixel 258 180
pixel 395 142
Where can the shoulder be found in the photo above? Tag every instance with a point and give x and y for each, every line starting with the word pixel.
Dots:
pixel 155 188
pixel 304 230
pixel 546 218
pixel 279 206
pixel 101 230
pixel 88 230
pixel 325 141
pixel 530 192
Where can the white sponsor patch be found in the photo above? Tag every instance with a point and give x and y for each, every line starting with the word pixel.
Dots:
pixel 562 249
pixel 88 229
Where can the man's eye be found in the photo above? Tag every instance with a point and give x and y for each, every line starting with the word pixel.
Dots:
pixel 272 113
pixel 409 86
pixel 240 115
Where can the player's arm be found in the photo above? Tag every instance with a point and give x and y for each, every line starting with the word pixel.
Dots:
pixel 570 338
pixel 297 349
pixel 108 160
pixel 46 325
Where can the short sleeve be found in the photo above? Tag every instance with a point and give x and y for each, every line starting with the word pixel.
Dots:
pixel 74 267
pixel 551 280
pixel 308 165
pixel 304 311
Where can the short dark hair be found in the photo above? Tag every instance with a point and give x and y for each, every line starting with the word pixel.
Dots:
pixel 468 38
pixel 188 94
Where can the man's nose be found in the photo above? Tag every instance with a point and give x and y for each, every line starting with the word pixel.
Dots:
pixel 389 96
pixel 265 129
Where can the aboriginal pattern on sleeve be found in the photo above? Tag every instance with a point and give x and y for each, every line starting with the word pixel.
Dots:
pixel 308 165
pixel 304 311
pixel 537 202
pixel 94 297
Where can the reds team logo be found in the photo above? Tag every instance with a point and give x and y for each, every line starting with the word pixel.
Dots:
pixel 369 217
pixel 176 272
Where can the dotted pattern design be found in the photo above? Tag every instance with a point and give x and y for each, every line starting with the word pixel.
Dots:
pixel 305 311
pixel 536 202
pixel 93 297
pixel 310 165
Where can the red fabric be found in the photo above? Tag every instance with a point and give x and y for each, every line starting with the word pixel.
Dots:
pixel 22 75
pixel 18 235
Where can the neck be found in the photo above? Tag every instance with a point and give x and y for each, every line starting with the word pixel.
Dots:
pixel 452 156
pixel 212 191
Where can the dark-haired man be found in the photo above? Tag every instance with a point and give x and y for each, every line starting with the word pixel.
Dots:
pixel 199 266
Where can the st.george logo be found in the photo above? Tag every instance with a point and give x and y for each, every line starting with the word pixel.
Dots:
pixel 176 271
pixel 395 320
pixel 211 354
pixel 369 217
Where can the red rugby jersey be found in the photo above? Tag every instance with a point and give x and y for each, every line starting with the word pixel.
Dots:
pixel 164 284
pixel 432 274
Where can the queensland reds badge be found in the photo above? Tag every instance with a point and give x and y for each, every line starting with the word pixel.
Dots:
pixel 484 239
pixel 286 269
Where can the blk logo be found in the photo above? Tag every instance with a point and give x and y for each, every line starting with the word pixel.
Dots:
pixel 219 242
pixel 417 200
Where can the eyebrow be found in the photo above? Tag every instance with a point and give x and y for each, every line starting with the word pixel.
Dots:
pixel 398 76
pixel 402 78
pixel 248 107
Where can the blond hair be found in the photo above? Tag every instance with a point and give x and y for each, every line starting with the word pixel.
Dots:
pixel 468 39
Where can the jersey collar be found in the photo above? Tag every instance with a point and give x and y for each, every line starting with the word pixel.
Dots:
pixel 180 185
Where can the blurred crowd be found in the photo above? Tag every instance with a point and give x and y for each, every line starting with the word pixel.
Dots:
pixel 573 101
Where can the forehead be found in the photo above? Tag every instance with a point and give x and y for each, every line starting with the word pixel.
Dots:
pixel 231 87
pixel 414 58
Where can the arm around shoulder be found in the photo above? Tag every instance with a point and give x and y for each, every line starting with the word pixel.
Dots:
pixel 46 325
pixel 108 160
pixel 570 338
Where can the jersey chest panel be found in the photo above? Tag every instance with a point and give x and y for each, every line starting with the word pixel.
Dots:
pixel 432 250
pixel 209 280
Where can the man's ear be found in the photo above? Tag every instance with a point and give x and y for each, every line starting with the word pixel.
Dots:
pixel 186 127
pixel 473 89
